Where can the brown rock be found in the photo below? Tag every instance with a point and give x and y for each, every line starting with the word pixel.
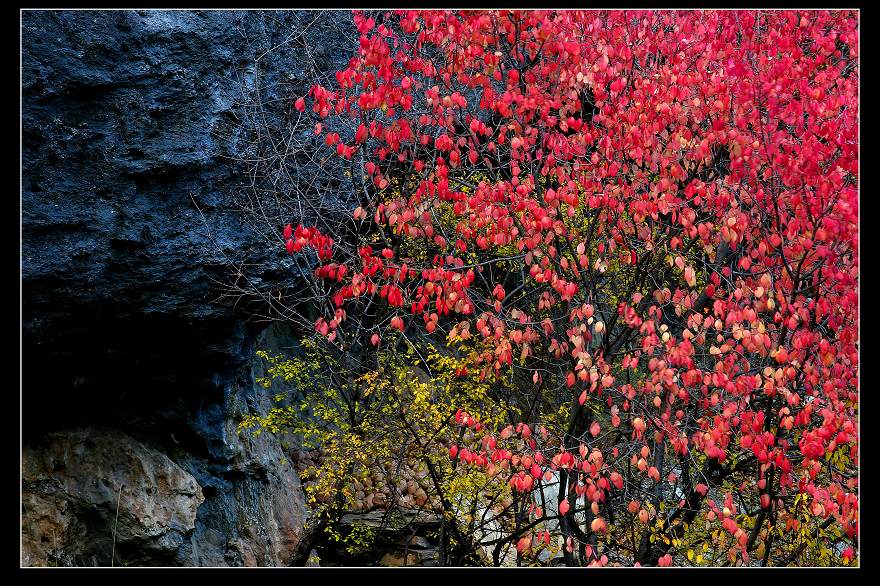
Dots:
pixel 73 486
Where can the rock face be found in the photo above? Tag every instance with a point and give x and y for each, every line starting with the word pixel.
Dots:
pixel 87 479
pixel 398 538
pixel 134 375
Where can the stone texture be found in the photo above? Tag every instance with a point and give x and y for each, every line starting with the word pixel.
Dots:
pixel 397 538
pixel 128 225
pixel 75 484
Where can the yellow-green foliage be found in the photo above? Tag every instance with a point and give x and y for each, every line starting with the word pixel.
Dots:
pixel 362 421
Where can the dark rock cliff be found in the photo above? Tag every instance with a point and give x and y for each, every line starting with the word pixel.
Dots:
pixel 134 375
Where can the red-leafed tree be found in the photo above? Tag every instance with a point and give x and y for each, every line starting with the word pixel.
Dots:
pixel 648 219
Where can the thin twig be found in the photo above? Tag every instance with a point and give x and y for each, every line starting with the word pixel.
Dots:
pixel 116 524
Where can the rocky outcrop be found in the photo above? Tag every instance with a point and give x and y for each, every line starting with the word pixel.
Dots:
pixel 84 480
pixel 386 538
pixel 129 139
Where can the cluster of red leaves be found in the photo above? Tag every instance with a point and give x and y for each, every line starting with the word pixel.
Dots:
pixel 680 189
pixel 297 239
